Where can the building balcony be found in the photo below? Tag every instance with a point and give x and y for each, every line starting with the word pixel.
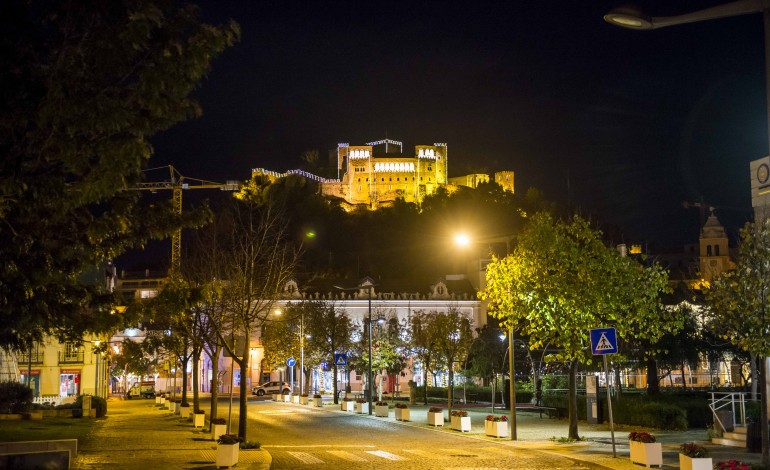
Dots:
pixel 71 357
pixel 27 358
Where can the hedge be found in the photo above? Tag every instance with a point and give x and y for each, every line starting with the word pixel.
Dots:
pixel 15 397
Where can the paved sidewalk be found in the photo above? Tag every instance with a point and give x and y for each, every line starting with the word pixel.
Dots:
pixel 137 434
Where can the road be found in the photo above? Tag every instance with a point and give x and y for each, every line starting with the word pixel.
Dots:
pixel 305 437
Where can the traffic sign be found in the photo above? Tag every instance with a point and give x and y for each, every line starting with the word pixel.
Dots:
pixel 291 361
pixel 341 359
pixel 604 341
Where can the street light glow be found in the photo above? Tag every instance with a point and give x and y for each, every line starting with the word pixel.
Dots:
pixel 462 239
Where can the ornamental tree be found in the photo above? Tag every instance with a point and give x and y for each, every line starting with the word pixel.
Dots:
pixel 561 281
pixel 85 85
pixel 739 301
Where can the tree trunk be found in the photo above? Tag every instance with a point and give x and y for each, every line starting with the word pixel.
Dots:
pixel 684 379
pixel 653 387
pixel 572 401
pixel 196 355
pixel 425 381
pixel 214 384
pixel 449 389
pixel 243 410
pixel 763 407
pixel 185 361
pixel 618 384
pixel 754 379
pixel 334 382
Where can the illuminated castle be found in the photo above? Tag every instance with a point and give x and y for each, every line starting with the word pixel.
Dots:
pixel 378 173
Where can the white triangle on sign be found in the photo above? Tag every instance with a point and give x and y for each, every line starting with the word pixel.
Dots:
pixel 340 361
pixel 604 343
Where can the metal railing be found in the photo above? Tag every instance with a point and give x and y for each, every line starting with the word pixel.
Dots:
pixel 729 401
pixel 27 358
pixel 71 357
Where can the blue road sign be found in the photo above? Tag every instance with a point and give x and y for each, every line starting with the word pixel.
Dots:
pixel 604 341
pixel 291 361
pixel 341 359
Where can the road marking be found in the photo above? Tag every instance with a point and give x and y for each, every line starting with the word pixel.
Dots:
pixel 384 455
pixel 425 454
pixel 460 453
pixel 345 455
pixel 304 457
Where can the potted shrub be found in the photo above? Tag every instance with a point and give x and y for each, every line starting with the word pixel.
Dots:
pixel 381 409
pixel 304 399
pixel 184 410
pixel 496 425
pixel 644 449
pixel 227 450
pixel 318 400
pixel 347 404
pixel 694 457
pixel 460 421
pixel 402 412
pixel 362 406
pixel 199 419
pixel 218 427
pixel 731 464
pixel 435 416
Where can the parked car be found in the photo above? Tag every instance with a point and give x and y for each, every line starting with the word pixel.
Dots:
pixel 270 388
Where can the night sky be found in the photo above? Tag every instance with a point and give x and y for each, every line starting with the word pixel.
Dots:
pixel 622 125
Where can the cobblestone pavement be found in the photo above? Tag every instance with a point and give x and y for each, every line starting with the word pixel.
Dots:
pixel 138 434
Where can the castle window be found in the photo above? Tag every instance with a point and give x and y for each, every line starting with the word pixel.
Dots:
pixel 383 180
pixel 430 168
pixel 390 179
pixel 420 178
pixel 359 180
pixel 428 179
pixel 367 180
pixel 708 250
pixel 716 250
pixel 398 179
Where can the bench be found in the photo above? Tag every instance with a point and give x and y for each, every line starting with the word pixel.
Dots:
pixel 558 413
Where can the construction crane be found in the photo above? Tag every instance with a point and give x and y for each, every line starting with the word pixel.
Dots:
pixel 178 183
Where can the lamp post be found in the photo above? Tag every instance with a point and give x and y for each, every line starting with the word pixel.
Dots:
pixel 633 18
pixel 369 377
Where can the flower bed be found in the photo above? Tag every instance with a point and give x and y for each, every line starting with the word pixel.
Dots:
pixel 732 464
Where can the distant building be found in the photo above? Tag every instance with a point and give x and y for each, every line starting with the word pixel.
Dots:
pixel 378 173
pixel 760 187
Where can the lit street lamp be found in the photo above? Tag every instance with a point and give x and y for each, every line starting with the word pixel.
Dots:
pixel 634 18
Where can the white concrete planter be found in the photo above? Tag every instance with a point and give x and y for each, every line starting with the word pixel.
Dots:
pixel 157 400
pixel 318 402
pixel 217 430
pixel 286 398
pixel 227 455
pixel 199 419
pixel 647 454
pixel 277 397
pixel 460 423
pixel 402 414
pixel 699 463
pixel 295 399
pixel 381 411
pixel 177 407
pixel 496 428
pixel 184 412
pixel 162 400
pixel 304 400
pixel 362 408
pixel 347 405
pixel 436 419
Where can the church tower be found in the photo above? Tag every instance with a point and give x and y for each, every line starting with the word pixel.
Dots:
pixel 714 256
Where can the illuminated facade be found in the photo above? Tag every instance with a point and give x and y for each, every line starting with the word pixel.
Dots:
pixel 378 173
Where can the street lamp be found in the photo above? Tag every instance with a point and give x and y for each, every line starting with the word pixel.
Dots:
pixel 369 380
pixel 633 18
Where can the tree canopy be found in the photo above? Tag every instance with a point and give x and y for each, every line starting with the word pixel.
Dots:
pixel 85 84
pixel 561 280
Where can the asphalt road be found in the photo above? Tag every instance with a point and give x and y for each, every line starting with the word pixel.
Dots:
pixel 304 437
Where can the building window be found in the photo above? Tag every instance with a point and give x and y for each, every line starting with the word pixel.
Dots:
pixel 716 250
pixel 708 250
pixel 430 168
pixel 359 180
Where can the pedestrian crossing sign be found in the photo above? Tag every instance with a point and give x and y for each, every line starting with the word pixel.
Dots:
pixel 341 359
pixel 604 341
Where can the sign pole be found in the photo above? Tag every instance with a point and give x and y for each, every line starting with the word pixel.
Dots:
pixel 609 405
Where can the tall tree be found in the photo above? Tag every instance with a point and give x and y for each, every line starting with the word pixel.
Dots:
pixel 255 262
pixel 330 330
pixel 85 84
pixel 740 302
pixel 561 280
pixel 454 334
